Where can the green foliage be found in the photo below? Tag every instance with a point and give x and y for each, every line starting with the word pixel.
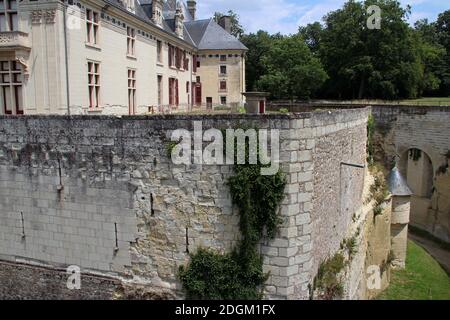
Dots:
pixel 241 110
pixel 169 148
pixel 423 278
pixel 327 280
pixel 259 45
pixel 352 246
pixel 239 274
pixel 284 110
pixel 217 276
pixel 385 265
pixel 378 190
pixel 292 70
pixel 363 63
pixel 312 34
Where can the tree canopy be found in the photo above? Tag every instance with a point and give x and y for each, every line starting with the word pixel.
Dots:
pixel 342 57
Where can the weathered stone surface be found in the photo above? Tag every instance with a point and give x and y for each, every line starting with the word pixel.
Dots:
pixel 80 180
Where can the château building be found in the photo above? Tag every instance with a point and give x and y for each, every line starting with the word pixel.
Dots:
pixel 115 57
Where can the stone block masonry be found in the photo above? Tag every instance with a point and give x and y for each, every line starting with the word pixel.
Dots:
pixel 399 129
pixel 101 193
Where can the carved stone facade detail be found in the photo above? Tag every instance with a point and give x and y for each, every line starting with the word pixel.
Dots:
pixel 50 16
pixel 36 16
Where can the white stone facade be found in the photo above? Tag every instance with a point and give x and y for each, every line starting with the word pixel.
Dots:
pixel 91 57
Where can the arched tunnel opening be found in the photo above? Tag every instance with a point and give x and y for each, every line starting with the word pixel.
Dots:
pixel 417 167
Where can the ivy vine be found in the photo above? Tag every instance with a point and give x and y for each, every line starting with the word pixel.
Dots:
pixel 239 274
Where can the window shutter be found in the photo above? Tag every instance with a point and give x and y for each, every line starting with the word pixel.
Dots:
pixel 170 91
pixel 176 92
pixel 170 55
pixel 177 58
pixel 194 63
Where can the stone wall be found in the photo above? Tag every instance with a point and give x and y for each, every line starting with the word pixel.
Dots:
pixel 402 128
pixel 335 182
pixel 101 193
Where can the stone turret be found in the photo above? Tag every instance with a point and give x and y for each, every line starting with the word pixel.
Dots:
pixel 179 21
pixel 192 7
pixel 157 12
pixel 401 207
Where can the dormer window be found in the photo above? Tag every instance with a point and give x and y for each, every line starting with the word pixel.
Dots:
pixel 129 5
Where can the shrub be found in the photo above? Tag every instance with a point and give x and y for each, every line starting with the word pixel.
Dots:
pixel 327 280
pixel 239 274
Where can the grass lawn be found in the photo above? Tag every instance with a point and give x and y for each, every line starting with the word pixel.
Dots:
pixel 423 278
pixel 441 101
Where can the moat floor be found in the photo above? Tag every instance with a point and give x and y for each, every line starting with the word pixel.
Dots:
pixel 423 278
pixel 435 250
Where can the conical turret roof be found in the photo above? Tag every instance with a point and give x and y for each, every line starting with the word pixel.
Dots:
pixel 397 184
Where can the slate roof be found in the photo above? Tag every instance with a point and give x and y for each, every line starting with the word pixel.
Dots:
pixel 203 34
pixel 208 35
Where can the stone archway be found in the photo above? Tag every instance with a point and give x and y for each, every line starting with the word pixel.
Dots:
pixel 419 170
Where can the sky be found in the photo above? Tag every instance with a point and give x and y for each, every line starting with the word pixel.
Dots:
pixel 286 16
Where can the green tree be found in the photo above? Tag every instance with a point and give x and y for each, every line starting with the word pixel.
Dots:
pixel 443 34
pixel 366 63
pixel 432 55
pixel 236 28
pixel 258 45
pixel 292 70
pixel 312 34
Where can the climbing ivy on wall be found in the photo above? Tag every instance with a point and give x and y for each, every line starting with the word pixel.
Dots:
pixel 239 274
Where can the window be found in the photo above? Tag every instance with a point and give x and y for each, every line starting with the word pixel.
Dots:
pixel 173 92
pixel 178 58
pixel 159 50
pixel 131 91
pixel 223 100
pixel 94 84
pixel 223 57
pixel 92 24
pixel 160 90
pixel 223 70
pixel 198 79
pixel 8 15
pixel 195 63
pixel 223 85
pixel 131 41
pixel 11 87
pixel 185 61
pixel 187 87
pixel 172 56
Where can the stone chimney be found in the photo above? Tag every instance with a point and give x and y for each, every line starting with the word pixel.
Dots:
pixel 179 21
pixel 225 22
pixel 157 12
pixel 192 7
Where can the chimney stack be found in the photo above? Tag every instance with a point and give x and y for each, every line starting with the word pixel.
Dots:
pixel 192 7
pixel 179 21
pixel 225 22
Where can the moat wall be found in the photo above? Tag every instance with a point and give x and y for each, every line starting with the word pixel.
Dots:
pixel 102 194
pixel 399 131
